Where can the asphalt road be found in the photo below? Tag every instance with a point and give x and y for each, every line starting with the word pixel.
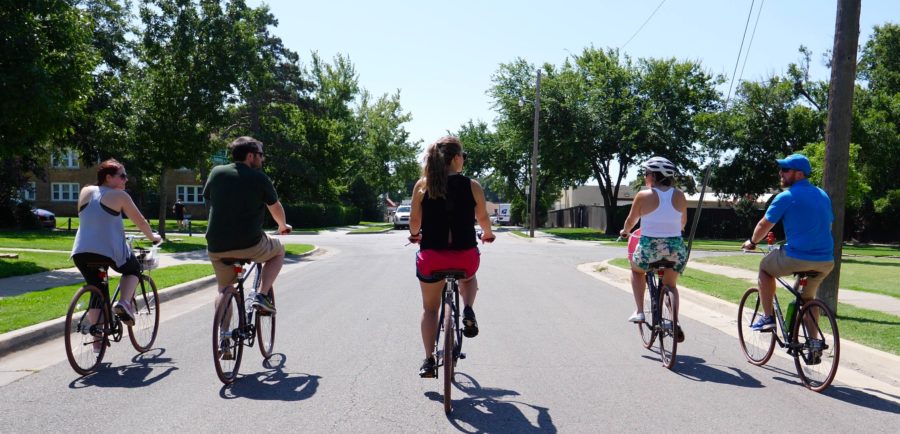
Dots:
pixel 555 353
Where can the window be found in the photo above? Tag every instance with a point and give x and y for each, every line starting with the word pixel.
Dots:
pixel 189 193
pixel 64 191
pixel 68 159
pixel 27 191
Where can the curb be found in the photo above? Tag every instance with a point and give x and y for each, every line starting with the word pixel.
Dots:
pixel 368 233
pixel 39 333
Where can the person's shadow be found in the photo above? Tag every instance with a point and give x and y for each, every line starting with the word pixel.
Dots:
pixel 484 410
pixel 695 368
pixel 145 369
pixel 273 384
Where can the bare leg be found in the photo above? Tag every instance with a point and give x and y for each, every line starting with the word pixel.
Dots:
pixel 670 278
pixel 270 271
pixel 219 298
pixel 767 292
pixel 126 286
pixel 638 285
pixel 431 304
pixel 468 289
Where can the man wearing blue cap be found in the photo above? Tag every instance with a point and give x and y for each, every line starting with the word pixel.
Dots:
pixel 805 211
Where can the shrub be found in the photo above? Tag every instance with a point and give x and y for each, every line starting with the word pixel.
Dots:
pixel 317 215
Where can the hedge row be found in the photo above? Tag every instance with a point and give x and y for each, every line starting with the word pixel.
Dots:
pixel 317 215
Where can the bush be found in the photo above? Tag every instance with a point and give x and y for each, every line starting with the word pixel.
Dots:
pixel 25 219
pixel 317 215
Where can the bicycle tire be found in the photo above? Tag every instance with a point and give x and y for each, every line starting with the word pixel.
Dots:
pixel 646 329
pixel 227 323
pixel 757 347
pixel 81 337
pixel 816 369
pixel 449 356
pixel 668 324
pixel 265 329
pixel 146 322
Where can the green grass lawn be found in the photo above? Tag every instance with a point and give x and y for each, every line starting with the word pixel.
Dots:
pixel 33 262
pixel 868 327
pixel 372 228
pixel 297 249
pixel 874 275
pixel 40 239
pixel 171 224
pixel 38 306
pixel 582 234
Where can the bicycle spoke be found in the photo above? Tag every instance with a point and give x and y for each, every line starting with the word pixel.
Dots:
pixel 756 346
pixel 816 345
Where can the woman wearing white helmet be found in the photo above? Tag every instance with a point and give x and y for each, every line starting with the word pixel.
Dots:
pixel 662 210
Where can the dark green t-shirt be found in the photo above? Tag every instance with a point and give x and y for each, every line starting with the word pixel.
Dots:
pixel 237 196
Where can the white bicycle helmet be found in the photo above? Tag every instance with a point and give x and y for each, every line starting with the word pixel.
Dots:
pixel 661 165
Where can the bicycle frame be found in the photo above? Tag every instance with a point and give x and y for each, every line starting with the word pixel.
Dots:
pixel 653 286
pixel 248 333
pixel 449 296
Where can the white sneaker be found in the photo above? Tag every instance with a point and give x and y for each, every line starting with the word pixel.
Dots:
pixel 636 317
pixel 125 312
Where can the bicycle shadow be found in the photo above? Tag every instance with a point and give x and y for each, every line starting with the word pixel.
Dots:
pixel 484 410
pixel 145 369
pixel 274 384
pixel 865 397
pixel 696 369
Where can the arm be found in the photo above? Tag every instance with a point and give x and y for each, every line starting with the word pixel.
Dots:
pixel 759 234
pixel 633 216
pixel 130 210
pixel 277 211
pixel 415 211
pixel 681 206
pixel 481 213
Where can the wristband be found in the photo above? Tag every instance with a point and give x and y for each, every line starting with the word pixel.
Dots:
pixel 751 242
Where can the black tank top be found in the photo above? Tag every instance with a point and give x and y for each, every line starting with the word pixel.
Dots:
pixel 448 223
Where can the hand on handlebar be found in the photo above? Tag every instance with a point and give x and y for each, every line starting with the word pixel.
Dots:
pixel 156 239
pixel 284 230
pixel 414 238
pixel 487 239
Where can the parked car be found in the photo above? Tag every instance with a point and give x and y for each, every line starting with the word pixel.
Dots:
pixel 401 217
pixel 47 218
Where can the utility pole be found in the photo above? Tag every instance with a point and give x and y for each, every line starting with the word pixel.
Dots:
pixel 837 133
pixel 534 152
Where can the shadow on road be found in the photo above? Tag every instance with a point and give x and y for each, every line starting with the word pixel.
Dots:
pixel 274 384
pixel 695 368
pixel 144 370
pixel 485 411
pixel 868 398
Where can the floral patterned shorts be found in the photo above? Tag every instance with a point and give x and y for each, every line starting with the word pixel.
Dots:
pixel 652 249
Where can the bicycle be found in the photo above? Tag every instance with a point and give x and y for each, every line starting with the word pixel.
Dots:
pixel 447 353
pixel 816 359
pixel 232 332
pixel 90 323
pixel 660 308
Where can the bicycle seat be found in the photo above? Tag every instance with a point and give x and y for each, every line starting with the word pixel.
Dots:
pixel 662 263
pixel 233 261
pixel 806 273
pixel 454 273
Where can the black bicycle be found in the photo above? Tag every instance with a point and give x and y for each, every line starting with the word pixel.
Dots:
pixel 661 316
pixel 237 323
pixel 91 324
pixel 809 333
pixel 449 351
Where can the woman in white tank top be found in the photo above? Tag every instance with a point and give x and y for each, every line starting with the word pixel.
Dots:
pixel 662 211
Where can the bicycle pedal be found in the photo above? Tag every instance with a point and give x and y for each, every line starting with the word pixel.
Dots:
pixel 462 355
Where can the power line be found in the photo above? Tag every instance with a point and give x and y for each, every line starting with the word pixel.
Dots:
pixel 642 25
pixel 752 36
pixel 740 50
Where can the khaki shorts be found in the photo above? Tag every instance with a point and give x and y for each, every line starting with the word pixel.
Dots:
pixel 265 250
pixel 779 264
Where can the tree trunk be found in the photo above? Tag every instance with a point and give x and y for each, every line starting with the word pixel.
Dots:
pixel 163 203
pixel 837 133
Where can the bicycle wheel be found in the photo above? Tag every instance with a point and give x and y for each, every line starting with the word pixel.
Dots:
pixel 228 348
pixel 668 344
pixel 86 320
pixel 816 345
pixel 265 329
pixel 756 346
pixel 648 335
pixel 146 320
pixel 449 356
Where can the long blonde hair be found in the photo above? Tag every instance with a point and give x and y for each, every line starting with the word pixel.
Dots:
pixel 437 164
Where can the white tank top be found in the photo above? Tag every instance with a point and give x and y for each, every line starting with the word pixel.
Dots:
pixel 665 220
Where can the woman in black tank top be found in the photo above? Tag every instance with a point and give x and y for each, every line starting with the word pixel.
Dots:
pixel 444 205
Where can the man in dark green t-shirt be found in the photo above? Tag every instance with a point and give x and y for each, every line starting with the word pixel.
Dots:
pixel 238 195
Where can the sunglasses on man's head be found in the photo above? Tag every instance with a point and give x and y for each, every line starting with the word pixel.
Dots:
pixel 122 175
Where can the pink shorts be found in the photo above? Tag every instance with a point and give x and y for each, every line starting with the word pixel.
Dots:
pixel 429 261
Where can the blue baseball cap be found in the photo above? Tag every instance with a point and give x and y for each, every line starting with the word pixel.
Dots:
pixel 796 162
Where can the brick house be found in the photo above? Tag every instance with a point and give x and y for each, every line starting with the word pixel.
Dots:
pixel 66 175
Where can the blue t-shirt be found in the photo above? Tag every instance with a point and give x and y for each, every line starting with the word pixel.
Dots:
pixel 806 210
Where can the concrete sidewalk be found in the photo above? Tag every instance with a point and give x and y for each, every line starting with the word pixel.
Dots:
pixel 865 300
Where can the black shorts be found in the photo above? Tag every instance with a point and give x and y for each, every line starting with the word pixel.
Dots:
pixel 89 265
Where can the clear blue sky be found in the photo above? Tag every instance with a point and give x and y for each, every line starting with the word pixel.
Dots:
pixel 441 55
